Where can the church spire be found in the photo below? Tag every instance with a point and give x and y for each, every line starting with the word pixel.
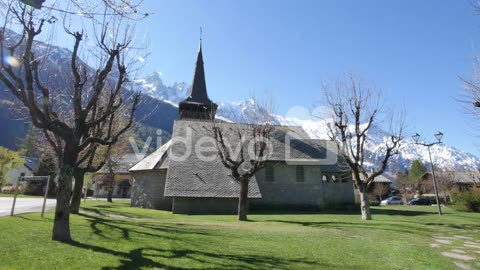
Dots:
pixel 197 105
pixel 199 87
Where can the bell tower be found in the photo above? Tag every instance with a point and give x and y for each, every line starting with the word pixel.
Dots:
pixel 197 105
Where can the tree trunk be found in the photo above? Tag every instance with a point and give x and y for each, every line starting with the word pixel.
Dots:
pixel 61 223
pixel 405 196
pixel 109 193
pixel 77 191
pixel 111 182
pixel 243 200
pixel 365 205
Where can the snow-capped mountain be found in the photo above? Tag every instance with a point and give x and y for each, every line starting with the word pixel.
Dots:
pixel 159 109
pixel 444 156
pixel 154 87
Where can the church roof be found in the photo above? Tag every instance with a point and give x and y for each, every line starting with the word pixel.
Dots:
pixel 198 91
pixel 156 160
pixel 195 176
pixel 200 177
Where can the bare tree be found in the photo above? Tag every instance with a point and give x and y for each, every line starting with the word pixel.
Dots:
pixel 380 190
pixel 113 162
pixel 100 156
pixel 404 185
pixel 244 164
pixel 445 181
pixel 356 108
pixel 75 124
pixel 470 99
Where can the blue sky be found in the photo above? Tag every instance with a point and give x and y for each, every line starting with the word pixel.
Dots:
pixel 415 51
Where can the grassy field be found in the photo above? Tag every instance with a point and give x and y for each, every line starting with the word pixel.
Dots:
pixel 115 236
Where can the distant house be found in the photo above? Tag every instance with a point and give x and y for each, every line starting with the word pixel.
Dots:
pixel 455 180
pixel 466 180
pixel 122 178
pixel 383 179
pixel 446 181
pixel 26 168
pixel 381 184
pixel 194 185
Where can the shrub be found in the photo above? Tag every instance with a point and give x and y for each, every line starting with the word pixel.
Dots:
pixel 37 187
pixel 374 203
pixel 10 189
pixel 467 200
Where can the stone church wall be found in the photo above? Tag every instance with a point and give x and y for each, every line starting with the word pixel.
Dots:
pixel 206 206
pixel 285 192
pixel 148 189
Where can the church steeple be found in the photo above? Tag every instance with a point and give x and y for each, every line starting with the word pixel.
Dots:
pixel 197 105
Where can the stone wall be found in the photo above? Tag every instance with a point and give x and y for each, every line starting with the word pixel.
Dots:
pixel 148 188
pixel 207 206
pixel 284 192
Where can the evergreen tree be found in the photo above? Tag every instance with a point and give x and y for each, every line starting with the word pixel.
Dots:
pixel 47 167
pixel 28 145
pixel 417 169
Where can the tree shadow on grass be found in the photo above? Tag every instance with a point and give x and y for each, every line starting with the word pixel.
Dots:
pixel 303 212
pixel 400 212
pixel 169 258
pixel 178 247
pixel 375 211
pixel 126 227
pixel 392 227
pixel 455 226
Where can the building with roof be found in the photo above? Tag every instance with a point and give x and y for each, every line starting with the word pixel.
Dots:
pixel 122 178
pixel 26 169
pixel 462 181
pixel 466 180
pixel 186 175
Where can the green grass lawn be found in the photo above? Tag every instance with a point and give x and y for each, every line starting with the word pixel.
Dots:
pixel 115 236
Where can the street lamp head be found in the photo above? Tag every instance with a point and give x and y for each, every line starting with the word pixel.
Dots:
pixel 439 136
pixel 415 137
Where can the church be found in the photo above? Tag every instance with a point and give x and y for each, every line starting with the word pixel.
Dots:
pixel 300 173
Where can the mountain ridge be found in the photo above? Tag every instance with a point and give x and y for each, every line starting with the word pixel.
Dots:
pixel 444 156
pixel 159 110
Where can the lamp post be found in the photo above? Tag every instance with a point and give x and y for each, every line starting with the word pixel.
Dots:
pixel 439 136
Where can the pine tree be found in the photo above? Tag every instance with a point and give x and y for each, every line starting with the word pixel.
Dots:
pixel 28 145
pixel 417 169
pixel 47 167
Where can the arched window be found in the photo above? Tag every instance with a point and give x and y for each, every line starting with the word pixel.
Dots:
pixel 334 179
pixel 300 174
pixel 324 178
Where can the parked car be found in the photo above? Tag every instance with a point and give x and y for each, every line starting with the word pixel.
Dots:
pixel 420 201
pixel 394 200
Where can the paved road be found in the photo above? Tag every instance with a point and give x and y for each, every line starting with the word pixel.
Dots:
pixel 24 205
